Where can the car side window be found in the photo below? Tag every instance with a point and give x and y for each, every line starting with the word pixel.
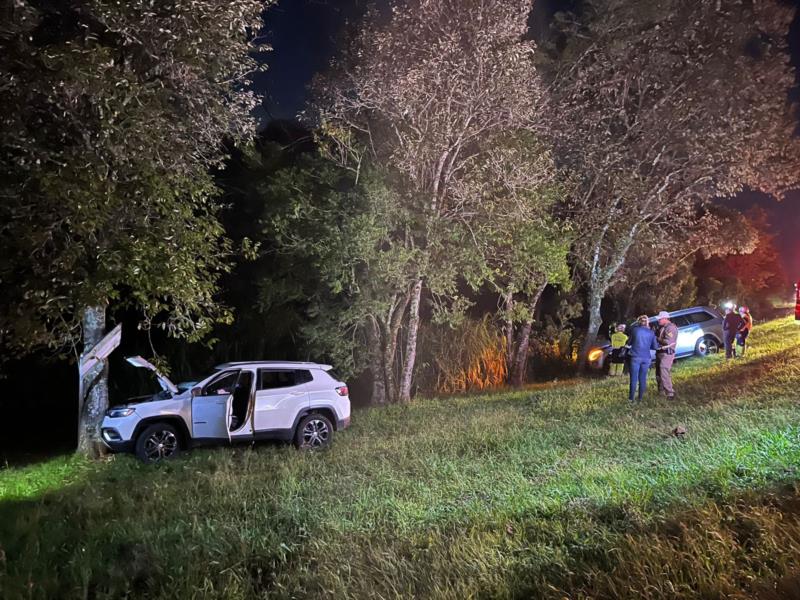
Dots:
pixel 302 376
pixel 224 384
pixel 681 321
pixel 270 379
pixel 700 317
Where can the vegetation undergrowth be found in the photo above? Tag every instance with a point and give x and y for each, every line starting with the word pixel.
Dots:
pixel 554 491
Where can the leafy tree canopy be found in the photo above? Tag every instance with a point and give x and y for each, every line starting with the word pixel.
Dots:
pixel 113 114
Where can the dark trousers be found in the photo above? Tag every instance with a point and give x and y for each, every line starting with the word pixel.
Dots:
pixel 638 375
pixel 741 339
pixel 730 347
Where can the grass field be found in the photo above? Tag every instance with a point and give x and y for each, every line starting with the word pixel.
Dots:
pixel 557 491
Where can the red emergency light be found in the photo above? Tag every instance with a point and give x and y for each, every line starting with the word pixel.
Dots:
pixel 797 301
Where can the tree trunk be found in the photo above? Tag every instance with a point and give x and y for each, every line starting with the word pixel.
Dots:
pixel 404 393
pixel 508 306
pixel 595 320
pixel 93 400
pixel 376 363
pixel 395 322
pixel 523 343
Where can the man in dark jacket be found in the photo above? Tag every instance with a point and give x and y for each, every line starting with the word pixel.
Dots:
pixel 731 325
pixel 642 341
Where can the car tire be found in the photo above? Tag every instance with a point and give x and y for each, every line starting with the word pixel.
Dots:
pixel 159 441
pixel 314 432
pixel 705 346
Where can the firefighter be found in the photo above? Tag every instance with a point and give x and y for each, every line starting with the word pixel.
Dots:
pixel 667 338
pixel 618 341
pixel 746 328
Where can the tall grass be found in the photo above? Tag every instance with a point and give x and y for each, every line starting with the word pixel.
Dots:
pixel 559 490
pixel 468 357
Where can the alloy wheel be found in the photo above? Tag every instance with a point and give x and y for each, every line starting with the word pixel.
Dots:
pixel 316 433
pixel 160 445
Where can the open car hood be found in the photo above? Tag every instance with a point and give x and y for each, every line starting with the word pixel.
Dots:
pixel 166 384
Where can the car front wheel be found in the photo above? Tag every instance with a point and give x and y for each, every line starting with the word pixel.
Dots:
pixel 157 442
pixel 705 346
pixel 314 432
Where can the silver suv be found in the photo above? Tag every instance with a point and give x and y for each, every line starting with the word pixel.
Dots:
pixel 240 402
pixel 699 334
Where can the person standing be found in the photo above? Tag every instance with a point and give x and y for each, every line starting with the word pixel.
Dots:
pixel 746 328
pixel 731 325
pixel 618 342
pixel 667 338
pixel 642 341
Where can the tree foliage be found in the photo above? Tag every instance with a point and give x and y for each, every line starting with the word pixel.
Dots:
pixel 748 277
pixel 113 114
pixel 658 105
pixel 433 97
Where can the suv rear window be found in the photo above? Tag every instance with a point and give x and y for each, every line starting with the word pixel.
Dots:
pixel 270 379
pixel 699 317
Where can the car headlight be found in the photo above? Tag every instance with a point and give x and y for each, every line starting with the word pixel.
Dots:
pixel 116 413
pixel 595 354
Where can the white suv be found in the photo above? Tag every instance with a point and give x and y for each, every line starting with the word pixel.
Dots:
pixel 239 402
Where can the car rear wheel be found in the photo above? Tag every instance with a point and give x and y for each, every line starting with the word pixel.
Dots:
pixel 157 442
pixel 314 432
pixel 706 345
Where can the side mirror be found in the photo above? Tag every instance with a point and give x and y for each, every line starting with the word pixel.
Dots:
pixel 197 391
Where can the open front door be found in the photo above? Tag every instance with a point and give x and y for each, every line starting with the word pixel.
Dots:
pixel 211 408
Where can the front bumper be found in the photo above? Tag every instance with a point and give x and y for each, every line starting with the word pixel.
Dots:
pixel 117 433
pixel 126 446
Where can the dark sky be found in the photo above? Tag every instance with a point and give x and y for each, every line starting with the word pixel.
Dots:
pixel 303 36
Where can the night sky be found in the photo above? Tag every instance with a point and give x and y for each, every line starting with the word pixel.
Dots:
pixel 303 35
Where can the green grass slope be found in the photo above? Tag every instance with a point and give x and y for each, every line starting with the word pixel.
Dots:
pixel 557 491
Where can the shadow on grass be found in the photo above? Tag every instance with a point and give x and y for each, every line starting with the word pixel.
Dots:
pixel 745 547
pixel 132 530
pixel 177 530
pixel 741 377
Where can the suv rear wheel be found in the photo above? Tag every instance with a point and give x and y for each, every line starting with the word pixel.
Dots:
pixel 314 432
pixel 705 346
pixel 157 442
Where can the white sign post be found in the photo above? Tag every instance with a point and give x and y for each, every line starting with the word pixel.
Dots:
pixel 94 358
pixel 101 351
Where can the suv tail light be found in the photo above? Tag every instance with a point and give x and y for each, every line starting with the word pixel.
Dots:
pixel 342 391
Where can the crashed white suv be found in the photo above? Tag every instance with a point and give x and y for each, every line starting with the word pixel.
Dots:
pixel 239 402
